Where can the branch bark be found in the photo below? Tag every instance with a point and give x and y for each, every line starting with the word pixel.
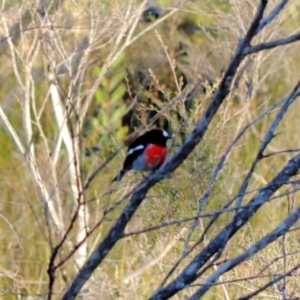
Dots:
pixel 280 230
pixel 171 164
pixel 189 274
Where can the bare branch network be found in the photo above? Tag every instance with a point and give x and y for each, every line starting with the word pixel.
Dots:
pixel 85 218
pixel 217 245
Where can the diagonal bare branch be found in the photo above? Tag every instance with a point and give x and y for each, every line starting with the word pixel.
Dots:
pixel 189 274
pixel 268 19
pixel 171 164
pixel 280 230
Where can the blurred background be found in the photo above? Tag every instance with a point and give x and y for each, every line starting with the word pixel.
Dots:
pixel 118 68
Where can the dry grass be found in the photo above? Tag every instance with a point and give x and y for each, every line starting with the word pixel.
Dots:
pixel 152 70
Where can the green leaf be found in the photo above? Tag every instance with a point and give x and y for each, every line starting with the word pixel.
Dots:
pixel 118 61
pixel 118 94
pixel 104 83
pixel 96 70
pixel 115 80
pixel 103 118
pixel 99 96
pixel 121 133
pixel 117 114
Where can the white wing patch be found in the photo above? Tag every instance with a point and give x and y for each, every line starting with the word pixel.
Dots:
pixel 165 134
pixel 139 147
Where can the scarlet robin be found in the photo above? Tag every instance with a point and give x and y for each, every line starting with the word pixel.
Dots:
pixel 146 153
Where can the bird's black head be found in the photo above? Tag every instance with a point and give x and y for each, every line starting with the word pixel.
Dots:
pixel 157 136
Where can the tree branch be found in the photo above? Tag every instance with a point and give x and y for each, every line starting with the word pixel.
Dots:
pixel 189 274
pixel 171 164
pixel 280 230
pixel 269 45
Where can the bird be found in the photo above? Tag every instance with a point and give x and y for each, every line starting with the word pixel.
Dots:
pixel 151 13
pixel 146 153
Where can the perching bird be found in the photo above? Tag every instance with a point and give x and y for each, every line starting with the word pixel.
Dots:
pixel 151 13
pixel 146 153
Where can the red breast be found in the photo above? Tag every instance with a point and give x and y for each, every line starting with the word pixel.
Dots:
pixel 155 155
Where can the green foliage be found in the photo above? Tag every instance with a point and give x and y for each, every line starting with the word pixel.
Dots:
pixel 200 56
pixel 107 108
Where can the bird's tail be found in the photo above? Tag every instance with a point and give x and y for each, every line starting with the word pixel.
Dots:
pixel 119 176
